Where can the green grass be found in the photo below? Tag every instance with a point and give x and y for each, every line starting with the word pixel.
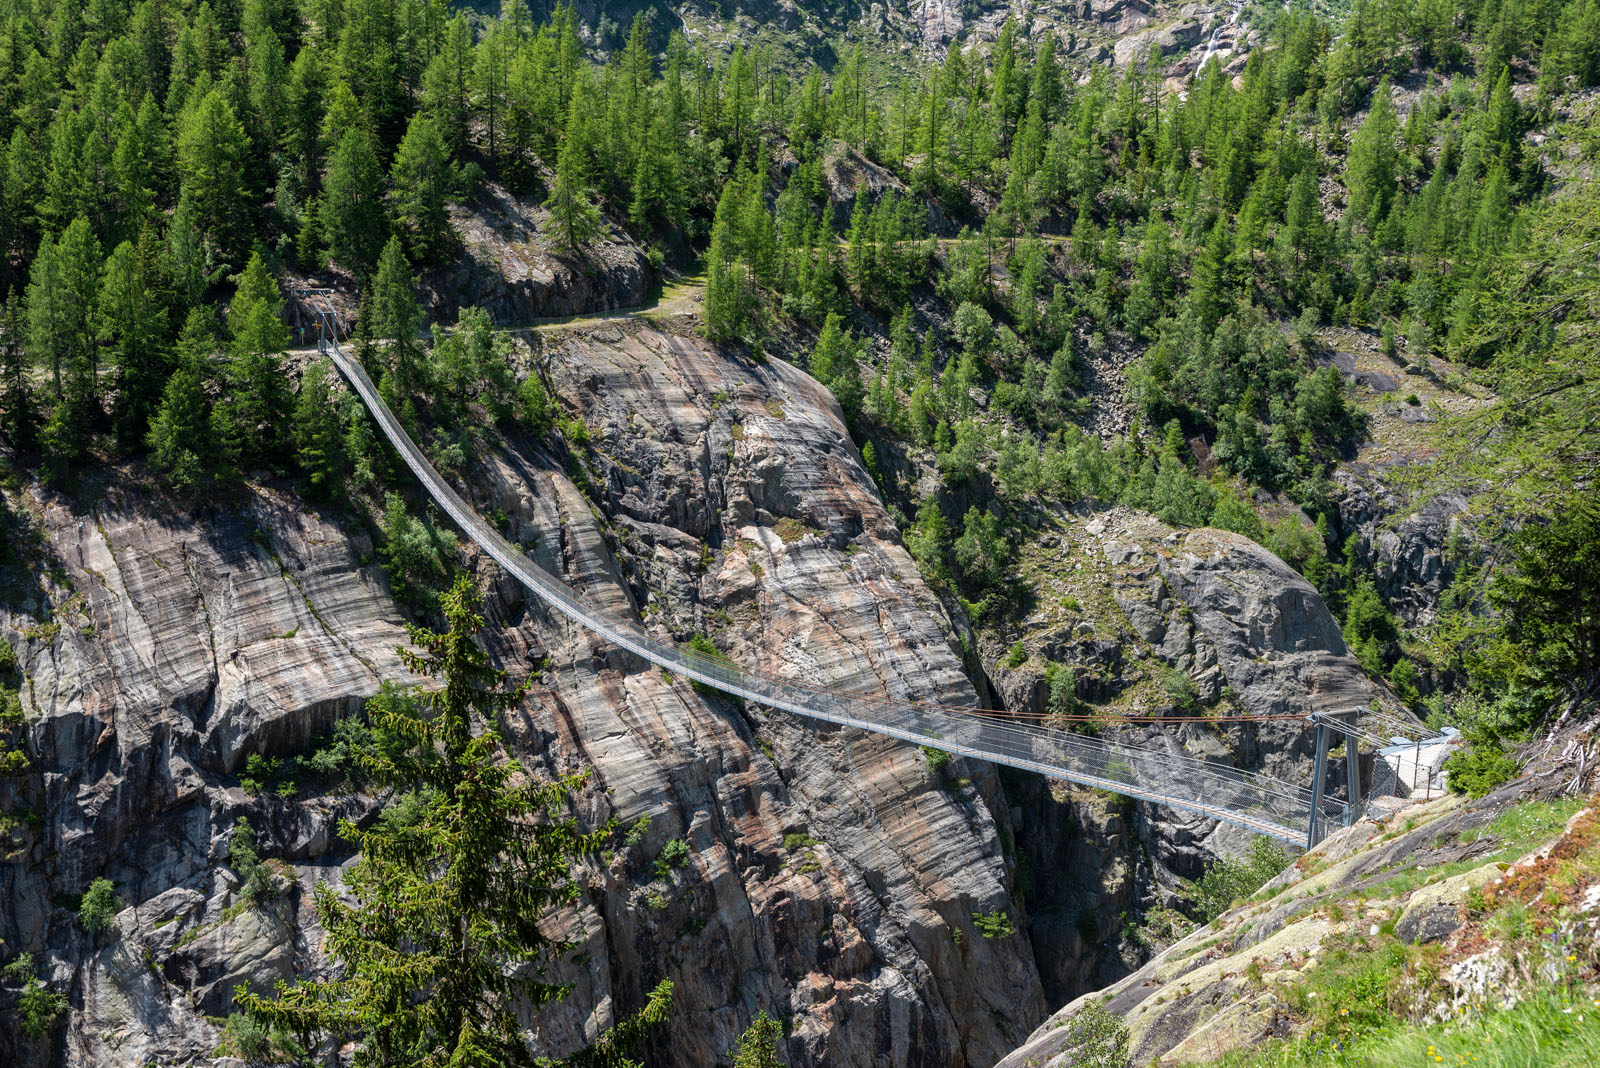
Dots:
pixel 1547 1031
pixel 1518 829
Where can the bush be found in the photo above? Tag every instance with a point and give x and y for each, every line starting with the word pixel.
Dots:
pixel 248 1036
pixel 996 924
pixel 100 904
pixel 1181 691
pixel 1017 656
pixel 37 1009
pixel 1229 880
pixel 1098 1039
pixel 675 854
pixel 8 661
pixel 1480 768
pixel 417 555
pixel 937 759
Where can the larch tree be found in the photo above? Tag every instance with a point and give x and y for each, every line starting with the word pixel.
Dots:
pixel 132 325
pixel 19 415
pixel 421 179
pixel 397 318
pixel 577 220
pixel 352 209
pixel 212 153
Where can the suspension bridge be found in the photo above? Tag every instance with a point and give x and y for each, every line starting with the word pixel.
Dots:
pixel 1170 776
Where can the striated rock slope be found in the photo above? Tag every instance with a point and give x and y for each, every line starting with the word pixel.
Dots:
pixel 830 879
pixel 1399 920
pixel 1142 619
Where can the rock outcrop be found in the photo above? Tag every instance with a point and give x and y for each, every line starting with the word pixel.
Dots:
pixel 831 880
pixel 508 265
pixel 1429 873
pixel 1123 606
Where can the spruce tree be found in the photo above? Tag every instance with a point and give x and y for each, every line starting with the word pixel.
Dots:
pixel 437 926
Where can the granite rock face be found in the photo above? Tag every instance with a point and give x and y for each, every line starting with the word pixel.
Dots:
pixel 160 651
pixel 507 265
pixel 1403 546
pixel 1124 605
pixel 832 879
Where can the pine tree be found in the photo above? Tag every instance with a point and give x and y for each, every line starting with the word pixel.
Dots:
pixel 438 923
pixel 421 180
pixel 352 209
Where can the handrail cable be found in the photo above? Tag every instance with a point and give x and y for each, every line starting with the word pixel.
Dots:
pixel 1175 778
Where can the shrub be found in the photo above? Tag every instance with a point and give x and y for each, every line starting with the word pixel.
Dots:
pixel 1228 879
pixel 417 555
pixel 247 1036
pixel 758 1046
pixel 1480 768
pixel 8 661
pixel 937 759
pixel 37 1009
pixel 675 854
pixel 1181 691
pixel 1098 1039
pixel 703 645
pixel 100 904
pixel 995 924
pixel 1017 656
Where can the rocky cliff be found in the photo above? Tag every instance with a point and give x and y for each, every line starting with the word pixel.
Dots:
pixel 831 880
pixel 1143 619
pixel 1438 912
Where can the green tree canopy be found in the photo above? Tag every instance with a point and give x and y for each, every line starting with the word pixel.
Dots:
pixel 437 927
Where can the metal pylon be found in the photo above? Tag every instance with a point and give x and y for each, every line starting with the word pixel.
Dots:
pixel 1325 723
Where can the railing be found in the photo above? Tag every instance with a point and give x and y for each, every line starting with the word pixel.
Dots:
pixel 1174 778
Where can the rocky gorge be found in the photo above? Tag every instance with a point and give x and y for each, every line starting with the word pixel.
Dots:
pixel 832 878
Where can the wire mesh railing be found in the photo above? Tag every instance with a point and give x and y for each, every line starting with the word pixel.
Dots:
pixel 1166 776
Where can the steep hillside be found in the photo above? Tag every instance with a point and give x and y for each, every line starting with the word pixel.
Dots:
pixel 1463 928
